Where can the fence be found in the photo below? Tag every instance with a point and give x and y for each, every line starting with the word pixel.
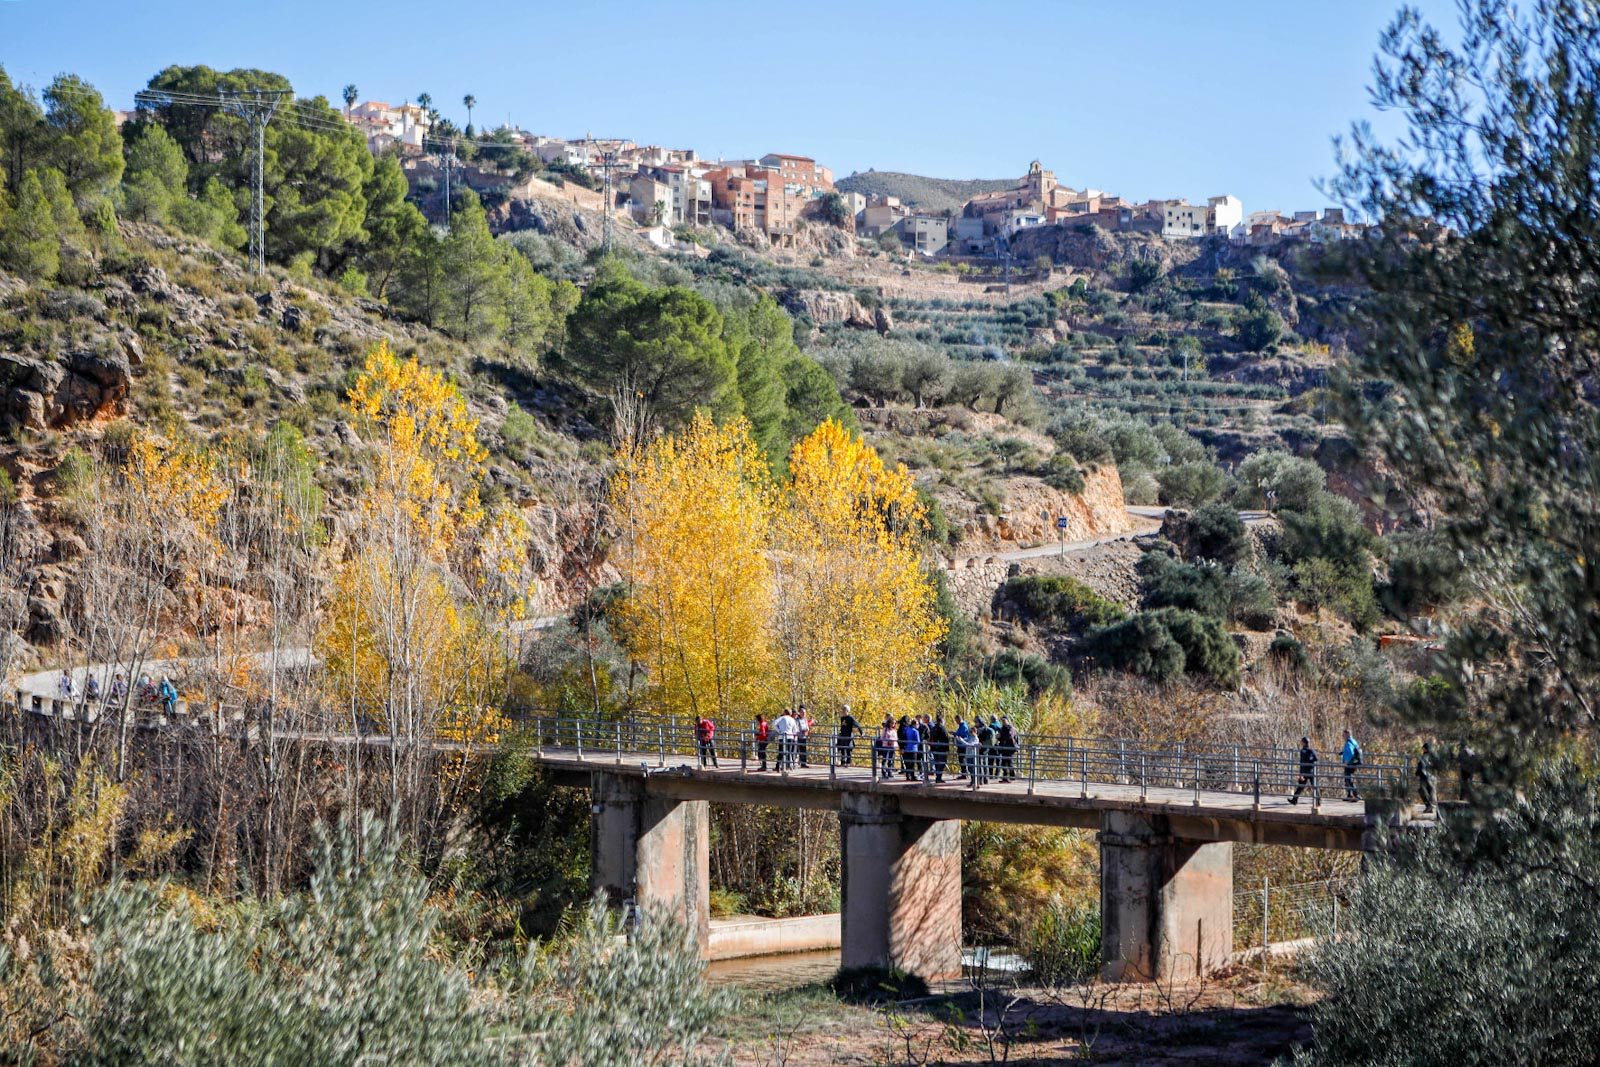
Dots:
pixel 1271 914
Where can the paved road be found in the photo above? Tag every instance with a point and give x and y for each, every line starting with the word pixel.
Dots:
pixel 1146 521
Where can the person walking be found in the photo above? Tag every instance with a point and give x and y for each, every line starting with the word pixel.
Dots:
pixel 966 750
pixel 845 740
pixel 802 721
pixel 169 696
pixel 763 731
pixel 1425 777
pixel 785 729
pixel 64 684
pixel 886 746
pixel 1006 744
pixel 939 748
pixel 92 693
pixel 705 732
pixel 1351 758
pixel 119 689
pixel 1308 772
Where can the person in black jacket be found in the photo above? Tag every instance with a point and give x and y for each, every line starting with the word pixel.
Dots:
pixel 1006 748
pixel 1425 777
pixel 845 741
pixel 1308 771
pixel 939 747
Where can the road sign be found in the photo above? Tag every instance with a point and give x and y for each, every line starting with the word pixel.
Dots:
pixel 1061 522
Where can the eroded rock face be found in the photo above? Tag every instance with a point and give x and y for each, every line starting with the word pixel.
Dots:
pixel 51 395
pixel 827 308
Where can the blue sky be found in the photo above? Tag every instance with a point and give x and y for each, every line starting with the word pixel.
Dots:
pixel 1139 97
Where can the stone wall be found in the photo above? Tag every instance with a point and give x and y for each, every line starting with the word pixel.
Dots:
pixel 1108 569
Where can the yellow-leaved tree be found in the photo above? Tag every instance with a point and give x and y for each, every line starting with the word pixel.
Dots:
pixel 695 514
pixel 855 617
pixel 412 635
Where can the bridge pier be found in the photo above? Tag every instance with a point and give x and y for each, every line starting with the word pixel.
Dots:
pixel 901 888
pixel 652 850
pixel 1166 904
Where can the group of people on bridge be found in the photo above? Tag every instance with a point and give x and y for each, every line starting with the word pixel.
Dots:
pixel 921 745
pixel 1350 760
pixel 147 692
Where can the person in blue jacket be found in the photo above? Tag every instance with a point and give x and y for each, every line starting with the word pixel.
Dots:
pixel 1351 758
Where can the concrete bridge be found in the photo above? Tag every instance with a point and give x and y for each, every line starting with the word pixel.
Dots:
pixel 1167 819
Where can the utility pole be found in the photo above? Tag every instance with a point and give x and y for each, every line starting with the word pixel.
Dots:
pixel 608 159
pixel 447 162
pixel 256 106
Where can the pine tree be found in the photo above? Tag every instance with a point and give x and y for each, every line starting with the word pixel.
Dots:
pixel 29 243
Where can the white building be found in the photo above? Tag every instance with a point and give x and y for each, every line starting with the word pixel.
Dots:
pixel 1225 215
pixel 407 124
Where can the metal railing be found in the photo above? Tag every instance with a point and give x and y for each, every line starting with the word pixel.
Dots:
pixel 1256 771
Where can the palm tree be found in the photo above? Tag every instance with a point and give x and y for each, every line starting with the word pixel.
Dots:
pixel 350 94
pixel 425 101
pixel 471 102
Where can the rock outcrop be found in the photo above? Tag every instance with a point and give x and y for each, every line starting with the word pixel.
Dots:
pixel 51 395
pixel 832 307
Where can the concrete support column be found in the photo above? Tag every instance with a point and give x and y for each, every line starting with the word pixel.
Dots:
pixel 653 851
pixel 1166 904
pixel 901 888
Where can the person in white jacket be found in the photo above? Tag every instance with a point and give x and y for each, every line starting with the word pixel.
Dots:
pixel 786 729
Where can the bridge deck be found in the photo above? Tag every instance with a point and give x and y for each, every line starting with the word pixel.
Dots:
pixel 1203 815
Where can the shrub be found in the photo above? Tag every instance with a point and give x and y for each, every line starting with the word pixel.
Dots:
pixel 1216 532
pixel 1061 944
pixel 1164 643
pixel 1139 645
pixel 1190 484
pixel 1424 572
pixel 1166 583
pixel 1059 602
pixel 1454 960
pixel 1039 674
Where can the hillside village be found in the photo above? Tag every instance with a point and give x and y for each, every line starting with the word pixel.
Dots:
pixel 770 198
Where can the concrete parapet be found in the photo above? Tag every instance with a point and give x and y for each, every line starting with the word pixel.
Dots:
pixel 901 888
pixel 1166 903
pixel 652 850
pixel 755 935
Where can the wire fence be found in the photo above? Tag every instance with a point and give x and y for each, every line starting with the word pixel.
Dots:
pixel 1269 914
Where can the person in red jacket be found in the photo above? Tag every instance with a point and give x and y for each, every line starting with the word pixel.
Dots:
pixel 705 732
pixel 763 732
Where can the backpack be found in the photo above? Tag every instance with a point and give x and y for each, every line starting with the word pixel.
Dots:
pixel 1355 757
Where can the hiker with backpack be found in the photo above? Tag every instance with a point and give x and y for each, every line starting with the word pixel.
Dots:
pixel 1006 743
pixel 705 732
pixel 986 753
pixel 1351 758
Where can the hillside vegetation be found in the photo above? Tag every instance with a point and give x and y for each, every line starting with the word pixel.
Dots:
pixel 933 195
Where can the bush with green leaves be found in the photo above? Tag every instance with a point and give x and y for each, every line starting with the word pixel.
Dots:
pixel 1207 588
pixel 1061 944
pixel 1456 961
pixel 1165 643
pixel 350 972
pixel 1192 483
pixel 1215 532
pixel 1056 602
pixel 1009 667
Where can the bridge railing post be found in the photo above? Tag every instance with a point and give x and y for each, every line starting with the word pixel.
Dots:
pixel 661 746
pixel 1234 782
pixel 1316 788
pixel 619 743
pixel 1197 781
pixel 1256 805
pixel 580 737
pixel 1144 778
pixel 833 764
pixel 1122 759
pixel 1085 755
pixel 744 753
pixel 1033 756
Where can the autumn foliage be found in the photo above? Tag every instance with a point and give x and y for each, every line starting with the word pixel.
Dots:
pixel 745 594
